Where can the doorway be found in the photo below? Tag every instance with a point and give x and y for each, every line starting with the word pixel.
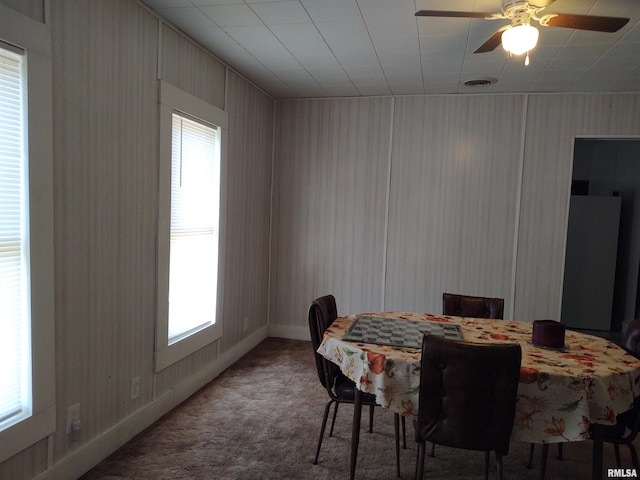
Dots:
pixel 609 168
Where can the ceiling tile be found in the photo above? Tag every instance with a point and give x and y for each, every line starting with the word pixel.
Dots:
pixel 364 71
pixel 455 44
pixel 332 10
pixel 437 26
pixel 375 90
pixel 282 63
pixel 342 90
pixel 231 15
pixel 279 13
pixel 159 4
pixel 330 76
pixel 301 39
pixel 346 37
pixel 376 80
pixel 363 60
pixel 187 18
pixel 294 74
pixel 462 5
pixel 632 35
pixel 392 58
pixel 208 3
pixel 257 40
pixel 316 62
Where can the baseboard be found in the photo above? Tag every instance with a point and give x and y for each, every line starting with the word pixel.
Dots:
pixel 185 389
pixel 86 457
pixel 290 332
pixel 90 454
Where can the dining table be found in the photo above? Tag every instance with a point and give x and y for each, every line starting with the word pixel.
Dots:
pixel 562 392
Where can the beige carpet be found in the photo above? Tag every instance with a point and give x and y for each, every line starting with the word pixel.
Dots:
pixel 261 419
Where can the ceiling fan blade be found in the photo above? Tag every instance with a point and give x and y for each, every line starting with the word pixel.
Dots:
pixel 584 22
pixel 456 14
pixel 493 42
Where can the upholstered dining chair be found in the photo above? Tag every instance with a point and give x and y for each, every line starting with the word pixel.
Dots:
pixel 470 306
pixel 625 431
pixel 341 389
pixel 467 397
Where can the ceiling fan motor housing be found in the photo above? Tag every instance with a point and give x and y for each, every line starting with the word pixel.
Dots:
pixel 520 18
pixel 519 11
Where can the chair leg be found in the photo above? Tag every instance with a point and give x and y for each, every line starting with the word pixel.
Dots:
pixel 355 432
pixel 560 451
pixel 433 450
pixel 404 433
pixel 616 449
pixel 333 421
pixel 371 418
pixel 420 461
pixel 596 459
pixel 499 468
pixel 324 425
pixel 543 463
pixel 396 425
pixel 486 464
pixel 634 456
pixel 530 464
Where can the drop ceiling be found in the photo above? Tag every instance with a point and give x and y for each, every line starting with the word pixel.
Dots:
pixel 334 48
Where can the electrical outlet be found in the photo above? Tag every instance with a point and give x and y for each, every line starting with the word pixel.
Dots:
pixel 245 326
pixel 73 418
pixel 135 388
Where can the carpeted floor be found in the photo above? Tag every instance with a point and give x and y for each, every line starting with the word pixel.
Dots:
pixel 260 420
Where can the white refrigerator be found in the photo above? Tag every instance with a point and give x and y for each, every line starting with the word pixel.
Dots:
pixel 590 264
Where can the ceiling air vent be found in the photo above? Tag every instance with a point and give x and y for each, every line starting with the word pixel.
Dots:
pixel 480 82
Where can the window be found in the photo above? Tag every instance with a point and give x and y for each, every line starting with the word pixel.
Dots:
pixel 15 378
pixel 27 389
pixel 195 213
pixel 189 248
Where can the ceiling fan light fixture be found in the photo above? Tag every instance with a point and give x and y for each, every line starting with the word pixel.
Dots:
pixel 520 39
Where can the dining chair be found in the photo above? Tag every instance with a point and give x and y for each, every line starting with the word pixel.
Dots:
pixel 625 431
pixel 631 339
pixel 467 397
pixel 340 388
pixel 470 306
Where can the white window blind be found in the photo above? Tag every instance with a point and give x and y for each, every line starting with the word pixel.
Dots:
pixel 15 374
pixel 195 213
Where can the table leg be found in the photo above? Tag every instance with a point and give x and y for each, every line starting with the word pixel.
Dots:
pixel 355 432
pixel 596 436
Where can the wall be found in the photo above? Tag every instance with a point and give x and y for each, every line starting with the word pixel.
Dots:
pixel 331 180
pixel 108 56
pixel 476 199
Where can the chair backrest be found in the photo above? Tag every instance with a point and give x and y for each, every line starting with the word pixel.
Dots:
pixel 631 340
pixel 322 313
pixel 468 393
pixel 470 306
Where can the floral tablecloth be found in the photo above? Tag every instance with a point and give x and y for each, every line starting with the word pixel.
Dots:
pixel 561 392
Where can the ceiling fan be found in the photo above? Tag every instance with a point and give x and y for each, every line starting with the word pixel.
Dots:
pixel 520 37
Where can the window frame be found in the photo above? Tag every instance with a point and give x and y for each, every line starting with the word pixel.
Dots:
pixel 172 99
pixel 35 39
